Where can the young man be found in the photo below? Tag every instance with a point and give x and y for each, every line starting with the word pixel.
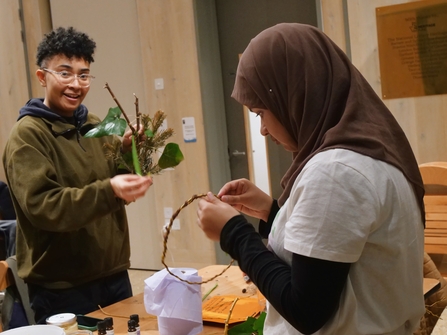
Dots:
pixel 72 234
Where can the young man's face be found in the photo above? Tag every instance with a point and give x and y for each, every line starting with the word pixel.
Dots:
pixel 63 98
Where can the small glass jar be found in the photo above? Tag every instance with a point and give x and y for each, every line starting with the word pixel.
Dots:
pixel 66 321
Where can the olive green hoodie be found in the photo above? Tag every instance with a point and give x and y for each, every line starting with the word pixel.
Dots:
pixel 71 229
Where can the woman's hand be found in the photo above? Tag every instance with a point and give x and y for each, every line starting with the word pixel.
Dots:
pixel 247 198
pixel 212 215
pixel 130 187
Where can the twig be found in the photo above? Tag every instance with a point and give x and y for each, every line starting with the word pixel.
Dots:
pixel 137 113
pixel 208 293
pixel 229 316
pixel 124 316
pixel 121 108
pixel 433 305
pixel 165 243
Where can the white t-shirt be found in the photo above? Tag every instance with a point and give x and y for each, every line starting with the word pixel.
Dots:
pixel 347 207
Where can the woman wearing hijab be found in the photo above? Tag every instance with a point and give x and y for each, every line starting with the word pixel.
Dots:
pixel 345 238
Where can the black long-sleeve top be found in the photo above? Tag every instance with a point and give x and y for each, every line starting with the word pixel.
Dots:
pixel 306 294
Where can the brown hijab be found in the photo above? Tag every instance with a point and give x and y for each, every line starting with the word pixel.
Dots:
pixel 310 85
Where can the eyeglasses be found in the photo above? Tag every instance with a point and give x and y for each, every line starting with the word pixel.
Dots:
pixel 65 77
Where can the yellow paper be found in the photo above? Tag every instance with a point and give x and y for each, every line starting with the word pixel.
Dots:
pixel 217 308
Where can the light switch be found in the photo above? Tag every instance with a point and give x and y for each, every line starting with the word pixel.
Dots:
pixel 176 224
pixel 167 211
pixel 159 84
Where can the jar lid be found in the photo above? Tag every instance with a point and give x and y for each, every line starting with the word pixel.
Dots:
pixel 62 319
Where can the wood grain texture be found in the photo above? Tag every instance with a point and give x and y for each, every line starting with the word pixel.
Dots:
pixel 13 78
pixel 37 18
pixel 333 21
pixel 434 176
pixel 169 51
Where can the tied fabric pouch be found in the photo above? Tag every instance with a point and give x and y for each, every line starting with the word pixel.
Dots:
pixel 177 304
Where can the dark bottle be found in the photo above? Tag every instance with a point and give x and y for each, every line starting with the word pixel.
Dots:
pixel 101 328
pixel 136 318
pixel 109 326
pixel 131 330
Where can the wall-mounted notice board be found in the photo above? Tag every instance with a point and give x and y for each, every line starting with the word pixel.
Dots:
pixel 412 40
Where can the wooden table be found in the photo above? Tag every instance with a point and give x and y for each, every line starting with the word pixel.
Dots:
pixel 231 282
pixel 431 285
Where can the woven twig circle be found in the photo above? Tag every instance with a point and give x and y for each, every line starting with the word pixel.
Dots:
pixel 165 243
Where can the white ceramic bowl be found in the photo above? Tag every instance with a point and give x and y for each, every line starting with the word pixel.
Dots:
pixel 36 330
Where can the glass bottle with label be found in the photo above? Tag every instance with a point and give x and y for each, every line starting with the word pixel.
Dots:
pixel 102 328
pixel 131 330
pixel 136 318
pixel 109 326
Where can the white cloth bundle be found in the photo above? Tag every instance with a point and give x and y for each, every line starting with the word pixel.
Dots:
pixel 178 305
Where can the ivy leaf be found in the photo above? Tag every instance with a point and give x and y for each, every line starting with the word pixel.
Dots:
pixel 112 124
pixel 245 328
pixel 258 325
pixel 250 326
pixel 171 156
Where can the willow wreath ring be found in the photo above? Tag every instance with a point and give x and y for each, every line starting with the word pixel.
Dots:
pixel 165 242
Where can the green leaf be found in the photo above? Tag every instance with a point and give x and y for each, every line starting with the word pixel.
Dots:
pixel 171 156
pixel 258 325
pixel 250 326
pixel 111 125
pixel 136 162
pixel 149 133
pixel 245 328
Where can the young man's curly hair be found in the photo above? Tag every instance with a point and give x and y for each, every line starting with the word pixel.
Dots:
pixel 68 42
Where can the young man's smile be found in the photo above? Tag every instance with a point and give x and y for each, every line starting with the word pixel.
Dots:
pixel 62 95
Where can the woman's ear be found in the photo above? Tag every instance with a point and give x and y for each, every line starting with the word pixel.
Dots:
pixel 41 77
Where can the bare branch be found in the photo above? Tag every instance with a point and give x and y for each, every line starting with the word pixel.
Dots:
pixel 229 315
pixel 137 112
pixel 121 108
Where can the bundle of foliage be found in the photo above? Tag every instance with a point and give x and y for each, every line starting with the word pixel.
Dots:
pixel 147 140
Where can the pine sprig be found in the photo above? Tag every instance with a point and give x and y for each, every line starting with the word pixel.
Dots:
pixel 148 140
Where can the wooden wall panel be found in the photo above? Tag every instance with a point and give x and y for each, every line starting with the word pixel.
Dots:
pixel 169 51
pixel 13 78
pixel 37 19
pixel 333 21
pixel 424 119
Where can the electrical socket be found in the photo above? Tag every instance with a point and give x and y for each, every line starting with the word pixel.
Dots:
pixel 159 84
pixel 176 224
pixel 167 211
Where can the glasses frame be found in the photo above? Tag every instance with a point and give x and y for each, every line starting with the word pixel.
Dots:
pixel 75 76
